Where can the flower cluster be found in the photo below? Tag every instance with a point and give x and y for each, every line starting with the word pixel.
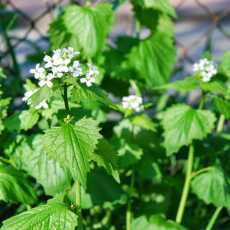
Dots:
pixel 205 68
pixel 61 63
pixel 132 102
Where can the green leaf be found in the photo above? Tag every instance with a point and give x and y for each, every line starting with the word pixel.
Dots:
pixel 14 187
pixel 213 187
pixel 60 36
pixel 36 163
pixel 28 118
pixel 183 124
pixel 106 157
pixel 13 123
pixel 153 59
pixel 83 93
pixel 143 121
pixel 84 28
pixel 163 6
pixel 148 12
pixel 147 16
pixel 44 217
pixel 215 87
pixel 3 111
pixel 224 66
pixel 103 189
pixel 149 169
pixel 72 145
pixel 222 106
pixel 40 95
pixel 186 85
pixel 155 222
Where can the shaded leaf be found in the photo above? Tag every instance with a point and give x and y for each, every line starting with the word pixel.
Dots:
pixel 102 188
pixel 163 6
pixel 222 106
pixel 14 187
pixel 106 157
pixel 149 12
pixel 36 163
pixel 83 93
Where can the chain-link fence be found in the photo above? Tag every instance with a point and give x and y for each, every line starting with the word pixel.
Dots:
pixel 200 24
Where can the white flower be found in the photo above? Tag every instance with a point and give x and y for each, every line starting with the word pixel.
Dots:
pixel 88 81
pixel 76 69
pixel 28 94
pixel 47 81
pixel 90 76
pixel 39 72
pixel 69 53
pixel 42 105
pixel 58 71
pixel 55 60
pixel 92 70
pixel 132 102
pixel 206 68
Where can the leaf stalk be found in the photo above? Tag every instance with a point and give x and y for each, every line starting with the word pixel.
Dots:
pixel 213 219
pixel 184 196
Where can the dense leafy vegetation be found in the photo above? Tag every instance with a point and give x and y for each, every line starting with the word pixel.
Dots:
pixel 104 139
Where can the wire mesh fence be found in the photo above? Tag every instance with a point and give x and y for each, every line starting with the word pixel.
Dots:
pixel 199 24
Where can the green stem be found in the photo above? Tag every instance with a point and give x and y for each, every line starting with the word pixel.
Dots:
pixel 13 56
pixel 185 191
pixel 196 173
pixel 138 28
pixel 220 124
pixel 129 206
pixel 78 185
pixel 65 98
pixel 212 221
pixel 78 204
pixel 202 101
pixel 4 160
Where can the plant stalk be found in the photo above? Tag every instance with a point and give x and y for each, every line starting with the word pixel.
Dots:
pixel 186 187
pixel 78 205
pixel 196 173
pixel 12 53
pixel 4 160
pixel 129 206
pixel 78 185
pixel 65 98
pixel 213 219
pixel 220 124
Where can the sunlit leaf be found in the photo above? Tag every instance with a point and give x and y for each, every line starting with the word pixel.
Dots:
pixel 72 145
pixel 183 124
pixel 44 217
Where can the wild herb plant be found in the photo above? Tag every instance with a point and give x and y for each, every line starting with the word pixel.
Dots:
pixel 105 140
